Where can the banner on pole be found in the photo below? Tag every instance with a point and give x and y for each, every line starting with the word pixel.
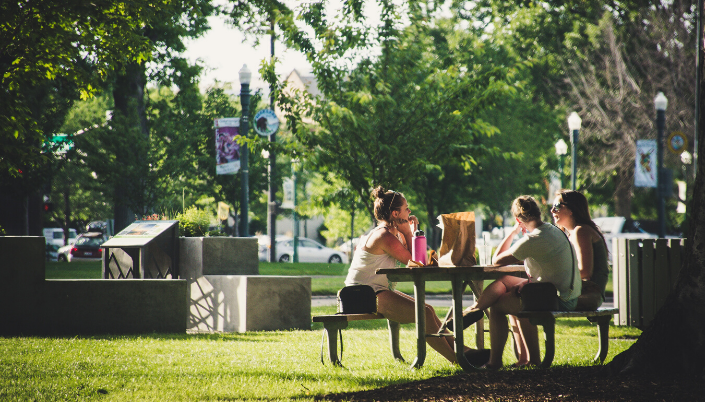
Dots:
pixel 645 170
pixel 288 201
pixel 227 150
pixel 223 210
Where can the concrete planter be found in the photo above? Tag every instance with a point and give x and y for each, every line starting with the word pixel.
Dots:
pixel 199 256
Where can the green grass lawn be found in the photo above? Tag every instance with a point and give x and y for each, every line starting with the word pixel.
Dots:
pixel 326 279
pixel 273 366
pixel 277 365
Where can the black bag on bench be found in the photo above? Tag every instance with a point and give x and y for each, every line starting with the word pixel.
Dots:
pixel 357 299
pixel 539 296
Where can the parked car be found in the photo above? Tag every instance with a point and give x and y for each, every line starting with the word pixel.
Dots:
pixel 52 252
pixel 619 226
pixel 263 245
pixel 309 251
pixel 86 248
pixel 56 236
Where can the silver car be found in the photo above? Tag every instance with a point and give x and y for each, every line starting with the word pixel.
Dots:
pixel 309 251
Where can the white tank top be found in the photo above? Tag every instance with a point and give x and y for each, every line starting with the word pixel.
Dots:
pixel 363 269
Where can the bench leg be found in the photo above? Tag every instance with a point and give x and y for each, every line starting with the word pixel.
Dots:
pixel 332 329
pixel 394 339
pixel 548 322
pixel 603 334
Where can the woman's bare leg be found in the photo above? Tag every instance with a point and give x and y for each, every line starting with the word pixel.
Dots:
pixel 519 341
pixel 507 303
pixel 397 306
pixel 530 334
pixel 495 290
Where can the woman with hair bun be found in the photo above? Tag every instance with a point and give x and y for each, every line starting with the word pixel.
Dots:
pixel 388 243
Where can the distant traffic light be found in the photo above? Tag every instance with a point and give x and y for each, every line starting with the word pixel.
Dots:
pixel 48 206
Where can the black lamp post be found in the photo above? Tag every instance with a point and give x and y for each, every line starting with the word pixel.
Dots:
pixel 245 77
pixel 661 103
pixel 561 151
pixel 574 122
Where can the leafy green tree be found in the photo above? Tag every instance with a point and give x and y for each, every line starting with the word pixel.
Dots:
pixel 129 144
pixel 64 48
pixel 607 61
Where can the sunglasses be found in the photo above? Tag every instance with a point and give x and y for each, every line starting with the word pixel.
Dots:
pixel 557 206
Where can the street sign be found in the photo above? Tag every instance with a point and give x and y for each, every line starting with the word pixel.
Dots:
pixel 266 122
pixel 59 144
pixel 677 142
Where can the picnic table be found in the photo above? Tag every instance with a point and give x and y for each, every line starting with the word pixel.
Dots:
pixel 458 277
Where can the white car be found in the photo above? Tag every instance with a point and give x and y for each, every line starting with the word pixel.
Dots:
pixel 619 226
pixel 263 245
pixel 309 251
pixel 56 236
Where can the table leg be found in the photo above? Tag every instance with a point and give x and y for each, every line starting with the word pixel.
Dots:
pixel 420 296
pixel 477 288
pixel 458 288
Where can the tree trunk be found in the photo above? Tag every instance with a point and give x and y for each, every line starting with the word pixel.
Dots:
pixel 674 343
pixel 623 195
pixel 128 95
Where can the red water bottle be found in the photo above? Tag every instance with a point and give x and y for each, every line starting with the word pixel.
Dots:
pixel 418 247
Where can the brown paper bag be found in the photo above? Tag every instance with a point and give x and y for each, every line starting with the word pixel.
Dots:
pixel 458 242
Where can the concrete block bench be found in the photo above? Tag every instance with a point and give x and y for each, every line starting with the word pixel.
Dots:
pixel 334 324
pixel 547 319
pixel 242 303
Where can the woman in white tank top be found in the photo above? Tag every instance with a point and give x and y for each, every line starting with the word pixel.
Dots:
pixel 383 247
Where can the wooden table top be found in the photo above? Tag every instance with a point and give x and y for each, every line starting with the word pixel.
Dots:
pixel 465 270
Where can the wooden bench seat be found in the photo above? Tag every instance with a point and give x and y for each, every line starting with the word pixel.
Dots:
pixel 547 319
pixel 334 324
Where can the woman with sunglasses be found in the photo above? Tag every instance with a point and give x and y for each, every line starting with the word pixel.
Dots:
pixel 547 254
pixel 570 213
pixel 388 243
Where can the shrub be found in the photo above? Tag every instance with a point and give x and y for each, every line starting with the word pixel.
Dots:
pixel 193 222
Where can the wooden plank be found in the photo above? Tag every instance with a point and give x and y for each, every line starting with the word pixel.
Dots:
pixel 662 279
pixel 634 283
pixel 603 311
pixel 676 250
pixel 346 317
pixel 648 279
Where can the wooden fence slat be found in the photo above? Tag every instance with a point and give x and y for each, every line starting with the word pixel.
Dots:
pixel 616 270
pixel 648 281
pixel 633 261
pixel 675 259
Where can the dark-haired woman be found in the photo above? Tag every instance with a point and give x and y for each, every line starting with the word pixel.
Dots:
pixel 570 213
pixel 388 243
pixel 547 255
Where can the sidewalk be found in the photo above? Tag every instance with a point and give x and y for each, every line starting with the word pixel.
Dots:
pixel 434 300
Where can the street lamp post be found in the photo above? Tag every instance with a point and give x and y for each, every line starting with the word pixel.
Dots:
pixel 561 151
pixel 661 103
pixel 295 215
pixel 245 77
pixel 574 122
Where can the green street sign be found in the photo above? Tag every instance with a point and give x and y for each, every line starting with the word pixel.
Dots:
pixel 58 144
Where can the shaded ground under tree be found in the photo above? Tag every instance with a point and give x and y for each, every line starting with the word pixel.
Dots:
pixel 595 383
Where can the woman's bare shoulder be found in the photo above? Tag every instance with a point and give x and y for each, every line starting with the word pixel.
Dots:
pixel 379 238
pixel 586 232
